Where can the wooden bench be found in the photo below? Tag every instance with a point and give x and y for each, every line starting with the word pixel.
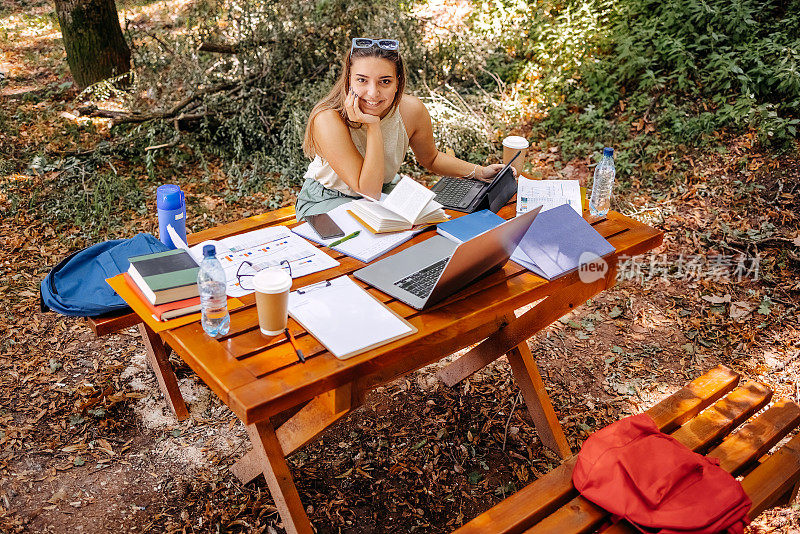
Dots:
pixel 703 416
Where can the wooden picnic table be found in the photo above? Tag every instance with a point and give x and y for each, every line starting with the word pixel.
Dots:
pixel 284 404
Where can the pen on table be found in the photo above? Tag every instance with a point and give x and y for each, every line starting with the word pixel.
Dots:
pixel 293 342
pixel 345 238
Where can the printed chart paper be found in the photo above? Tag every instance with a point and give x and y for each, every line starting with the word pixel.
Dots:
pixel 264 248
pixel 548 194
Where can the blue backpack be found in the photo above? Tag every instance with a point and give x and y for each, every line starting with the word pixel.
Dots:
pixel 77 286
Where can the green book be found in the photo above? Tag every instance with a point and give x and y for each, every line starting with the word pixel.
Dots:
pixel 165 276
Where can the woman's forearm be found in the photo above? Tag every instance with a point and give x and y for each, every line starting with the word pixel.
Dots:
pixel 370 180
pixel 446 165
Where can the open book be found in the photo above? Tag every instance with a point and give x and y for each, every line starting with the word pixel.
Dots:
pixel 408 205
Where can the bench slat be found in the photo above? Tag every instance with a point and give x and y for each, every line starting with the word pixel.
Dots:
pixel 756 438
pixel 774 478
pixel 725 415
pixel 527 506
pixel 536 500
pixel 108 324
pixel 678 408
pixel 581 515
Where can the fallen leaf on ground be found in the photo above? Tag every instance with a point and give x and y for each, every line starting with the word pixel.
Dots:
pixel 739 310
pixel 714 299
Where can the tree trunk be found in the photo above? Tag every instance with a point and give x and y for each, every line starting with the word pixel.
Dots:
pixel 93 39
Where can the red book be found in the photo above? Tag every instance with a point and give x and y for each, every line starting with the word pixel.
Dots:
pixel 164 312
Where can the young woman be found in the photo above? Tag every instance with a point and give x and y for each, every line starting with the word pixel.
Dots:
pixel 359 134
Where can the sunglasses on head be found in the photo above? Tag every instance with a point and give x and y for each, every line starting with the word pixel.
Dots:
pixel 385 44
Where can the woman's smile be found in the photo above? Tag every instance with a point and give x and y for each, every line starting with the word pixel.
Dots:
pixel 372 103
pixel 374 80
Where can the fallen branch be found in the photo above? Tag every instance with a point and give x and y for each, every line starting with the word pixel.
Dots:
pixel 765 241
pixel 165 145
pixel 224 48
pixel 508 421
pixel 94 111
pixel 178 108
pixel 235 48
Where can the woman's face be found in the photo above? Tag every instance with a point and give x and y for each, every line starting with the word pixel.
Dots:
pixel 374 80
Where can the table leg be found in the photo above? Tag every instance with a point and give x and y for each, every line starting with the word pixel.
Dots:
pixel 511 339
pixel 300 429
pixel 527 377
pixel 279 478
pixel 159 362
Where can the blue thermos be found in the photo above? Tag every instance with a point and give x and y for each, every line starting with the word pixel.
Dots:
pixel 171 205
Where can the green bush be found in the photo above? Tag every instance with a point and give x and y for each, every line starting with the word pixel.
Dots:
pixel 687 68
pixel 84 195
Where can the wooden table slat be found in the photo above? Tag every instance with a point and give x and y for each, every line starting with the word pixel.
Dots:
pixel 263 220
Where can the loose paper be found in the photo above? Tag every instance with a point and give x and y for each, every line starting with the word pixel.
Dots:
pixel 264 248
pixel 548 194
pixel 345 318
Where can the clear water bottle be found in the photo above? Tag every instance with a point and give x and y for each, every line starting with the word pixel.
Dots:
pixel 602 184
pixel 213 300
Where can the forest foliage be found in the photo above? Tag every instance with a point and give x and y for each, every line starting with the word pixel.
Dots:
pixel 692 69
pixel 643 75
pixel 654 79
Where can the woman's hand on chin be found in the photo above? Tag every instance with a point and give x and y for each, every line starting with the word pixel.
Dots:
pixel 354 112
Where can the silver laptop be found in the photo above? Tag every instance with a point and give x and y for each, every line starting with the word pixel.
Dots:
pixel 434 269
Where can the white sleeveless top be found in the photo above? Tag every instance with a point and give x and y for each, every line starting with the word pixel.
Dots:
pixel 395 146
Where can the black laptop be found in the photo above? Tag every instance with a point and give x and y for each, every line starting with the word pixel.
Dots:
pixel 469 194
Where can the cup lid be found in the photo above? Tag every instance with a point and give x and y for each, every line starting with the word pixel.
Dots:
pixel 272 280
pixel 515 141
pixel 168 197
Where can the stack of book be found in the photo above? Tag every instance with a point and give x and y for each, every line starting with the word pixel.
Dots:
pixel 166 282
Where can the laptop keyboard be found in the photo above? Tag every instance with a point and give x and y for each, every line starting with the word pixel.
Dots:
pixel 421 282
pixel 453 192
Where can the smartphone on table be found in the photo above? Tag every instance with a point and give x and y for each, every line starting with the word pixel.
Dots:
pixel 324 226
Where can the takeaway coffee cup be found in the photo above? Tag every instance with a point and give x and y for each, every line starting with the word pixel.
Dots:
pixel 272 299
pixel 511 145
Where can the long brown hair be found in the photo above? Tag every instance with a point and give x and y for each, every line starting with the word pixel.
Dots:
pixel 335 99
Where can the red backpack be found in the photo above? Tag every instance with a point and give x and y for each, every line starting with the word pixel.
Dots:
pixel 638 473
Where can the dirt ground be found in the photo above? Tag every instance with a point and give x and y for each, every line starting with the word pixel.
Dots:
pixel 88 445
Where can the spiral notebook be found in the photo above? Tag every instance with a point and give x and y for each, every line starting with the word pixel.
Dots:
pixel 345 318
